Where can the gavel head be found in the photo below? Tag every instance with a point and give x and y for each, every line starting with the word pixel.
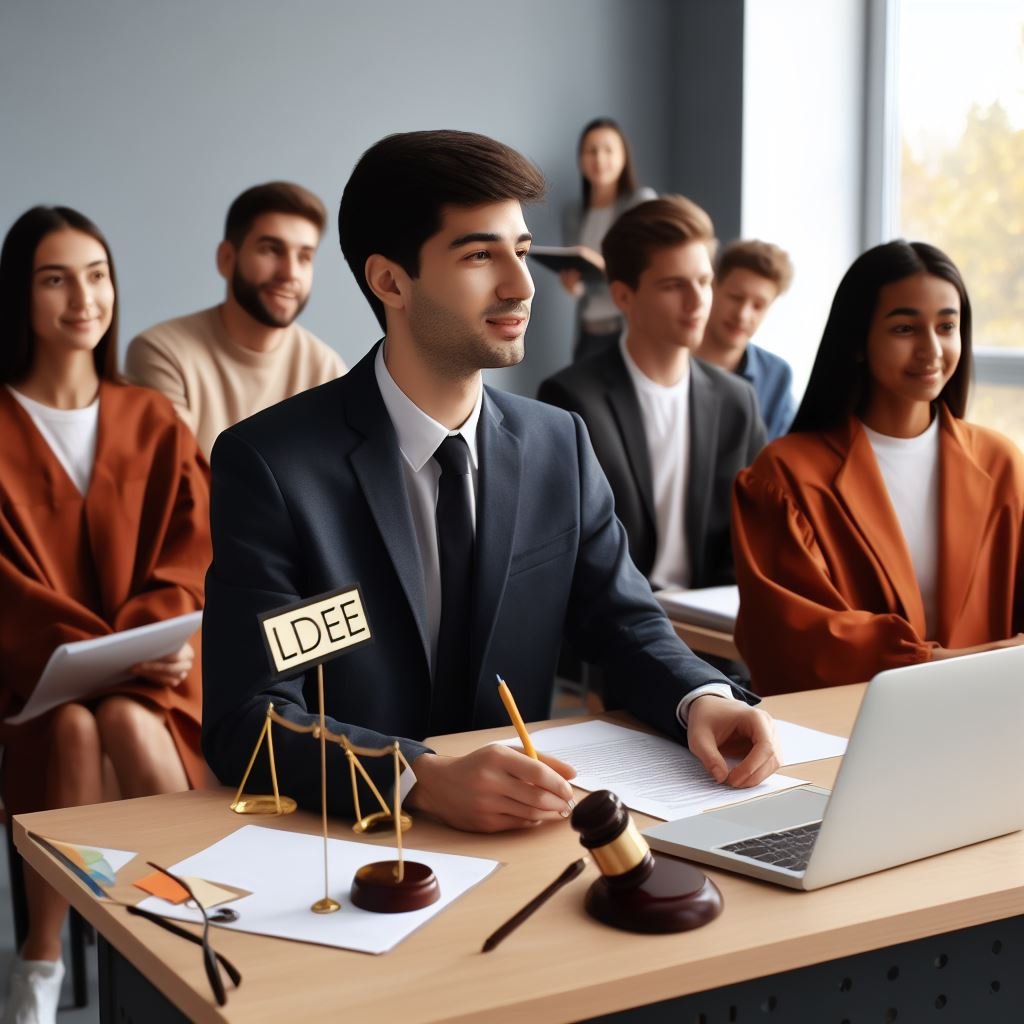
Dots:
pixel 636 891
pixel 607 831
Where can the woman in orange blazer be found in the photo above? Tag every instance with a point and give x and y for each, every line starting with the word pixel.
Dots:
pixel 103 526
pixel 883 530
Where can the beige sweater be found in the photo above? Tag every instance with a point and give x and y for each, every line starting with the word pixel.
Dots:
pixel 214 383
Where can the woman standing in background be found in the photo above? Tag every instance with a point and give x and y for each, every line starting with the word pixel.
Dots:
pixel 609 188
pixel 104 525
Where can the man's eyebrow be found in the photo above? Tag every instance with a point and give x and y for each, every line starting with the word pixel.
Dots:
pixel 484 236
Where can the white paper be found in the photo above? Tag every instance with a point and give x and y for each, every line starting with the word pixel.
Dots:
pixel 800 744
pixel 283 871
pixel 651 774
pixel 79 670
pixel 713 607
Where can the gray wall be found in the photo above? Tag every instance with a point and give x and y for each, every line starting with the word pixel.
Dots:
pixel 151 117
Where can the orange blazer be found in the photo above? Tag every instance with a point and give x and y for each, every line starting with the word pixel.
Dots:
pixel 828 593
pixel 132 550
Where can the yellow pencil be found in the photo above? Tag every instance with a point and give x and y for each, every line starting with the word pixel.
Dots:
pixel 517 719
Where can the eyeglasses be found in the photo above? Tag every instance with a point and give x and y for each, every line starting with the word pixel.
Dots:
pixel 211 958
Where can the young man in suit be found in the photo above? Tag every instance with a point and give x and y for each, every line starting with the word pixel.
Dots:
pixel 477 524
pixel 749 277
pixel 669 431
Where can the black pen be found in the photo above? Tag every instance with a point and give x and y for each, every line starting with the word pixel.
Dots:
pixel 571 872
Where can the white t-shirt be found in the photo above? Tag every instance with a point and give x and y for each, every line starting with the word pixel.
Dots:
pixel 666 417
pixel 910 469
pixel 70 433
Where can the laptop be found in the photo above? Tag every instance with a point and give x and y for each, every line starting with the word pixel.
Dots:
pixel 935 761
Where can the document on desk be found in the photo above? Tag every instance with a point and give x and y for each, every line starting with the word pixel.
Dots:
pixel 712 607
pixel 651 774
pixel 283 872
pixel 79 670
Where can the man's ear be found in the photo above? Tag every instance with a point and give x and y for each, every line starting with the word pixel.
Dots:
pixel 387 280
pixel 226 257
pixel 622 295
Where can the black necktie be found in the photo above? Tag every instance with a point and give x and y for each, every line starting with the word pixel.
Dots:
pixel 451 703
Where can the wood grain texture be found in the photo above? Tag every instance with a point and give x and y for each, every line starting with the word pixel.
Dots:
pixel 560 965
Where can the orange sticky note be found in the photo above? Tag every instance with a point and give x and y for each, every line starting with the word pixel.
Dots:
pixel 158 884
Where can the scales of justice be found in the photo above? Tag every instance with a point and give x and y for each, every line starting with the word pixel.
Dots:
pixel 297 637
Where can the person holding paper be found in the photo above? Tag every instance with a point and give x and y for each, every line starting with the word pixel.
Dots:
pixel 883 530
pixel 608 184
pixel 103 526
pixel 477 524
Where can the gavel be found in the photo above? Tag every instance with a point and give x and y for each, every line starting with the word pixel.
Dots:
pixel 636 890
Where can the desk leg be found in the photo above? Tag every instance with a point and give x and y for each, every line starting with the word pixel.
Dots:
pixel 127 996
pixel 972 975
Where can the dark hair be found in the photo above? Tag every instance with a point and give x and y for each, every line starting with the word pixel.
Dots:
pixel 840 381
pixel 17 260
pixel 758 257
pixel 661 223
pixel 627 183
pixel 273 197
pixel 392 202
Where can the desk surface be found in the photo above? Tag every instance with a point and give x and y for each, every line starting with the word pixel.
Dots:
pixel 560 965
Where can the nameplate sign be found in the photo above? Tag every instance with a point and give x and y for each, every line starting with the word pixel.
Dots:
pixel 316 630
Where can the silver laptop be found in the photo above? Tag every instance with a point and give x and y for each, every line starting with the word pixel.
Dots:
pixel 935 761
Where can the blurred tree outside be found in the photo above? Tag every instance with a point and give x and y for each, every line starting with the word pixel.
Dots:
pixel 967 197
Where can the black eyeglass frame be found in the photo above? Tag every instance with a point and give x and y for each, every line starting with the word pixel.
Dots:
pixel 211 957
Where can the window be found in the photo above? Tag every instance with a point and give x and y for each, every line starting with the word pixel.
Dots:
pixel 959 114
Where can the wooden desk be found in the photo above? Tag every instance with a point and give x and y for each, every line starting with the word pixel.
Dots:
pixel 705 640
pixel 562 966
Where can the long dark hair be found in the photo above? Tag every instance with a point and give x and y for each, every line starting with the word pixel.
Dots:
pixel 627 179
pixel 840 382
pixel 17 259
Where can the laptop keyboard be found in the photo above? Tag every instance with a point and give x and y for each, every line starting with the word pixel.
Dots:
pixel 789 848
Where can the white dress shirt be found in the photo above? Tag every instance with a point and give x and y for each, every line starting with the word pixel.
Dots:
pixel 419 436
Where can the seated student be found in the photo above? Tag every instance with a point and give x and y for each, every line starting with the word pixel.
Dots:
pixel 883 530
pixel 103 526
pixel 227 362
pixel 478 524
pixel 669 431
pixel 749 277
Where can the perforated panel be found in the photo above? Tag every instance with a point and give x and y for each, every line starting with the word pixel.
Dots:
pixel 973 975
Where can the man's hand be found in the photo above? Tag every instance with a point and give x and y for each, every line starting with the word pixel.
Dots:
pixel 170 670
pixel 719 728
pixel 492 789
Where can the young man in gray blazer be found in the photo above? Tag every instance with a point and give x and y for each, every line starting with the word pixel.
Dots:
pixel 670 431
pixel 478 524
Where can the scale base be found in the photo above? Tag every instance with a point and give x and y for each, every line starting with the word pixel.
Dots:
pixel 263 805
pixel 325 906
pixel 376 888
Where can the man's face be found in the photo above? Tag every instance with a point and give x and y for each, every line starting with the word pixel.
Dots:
pixel 470 304
pixel 271 273
pixel 669 306
pixel 741 300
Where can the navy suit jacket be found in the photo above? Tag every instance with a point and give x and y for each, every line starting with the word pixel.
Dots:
pixel 725 435
pixel 309 496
